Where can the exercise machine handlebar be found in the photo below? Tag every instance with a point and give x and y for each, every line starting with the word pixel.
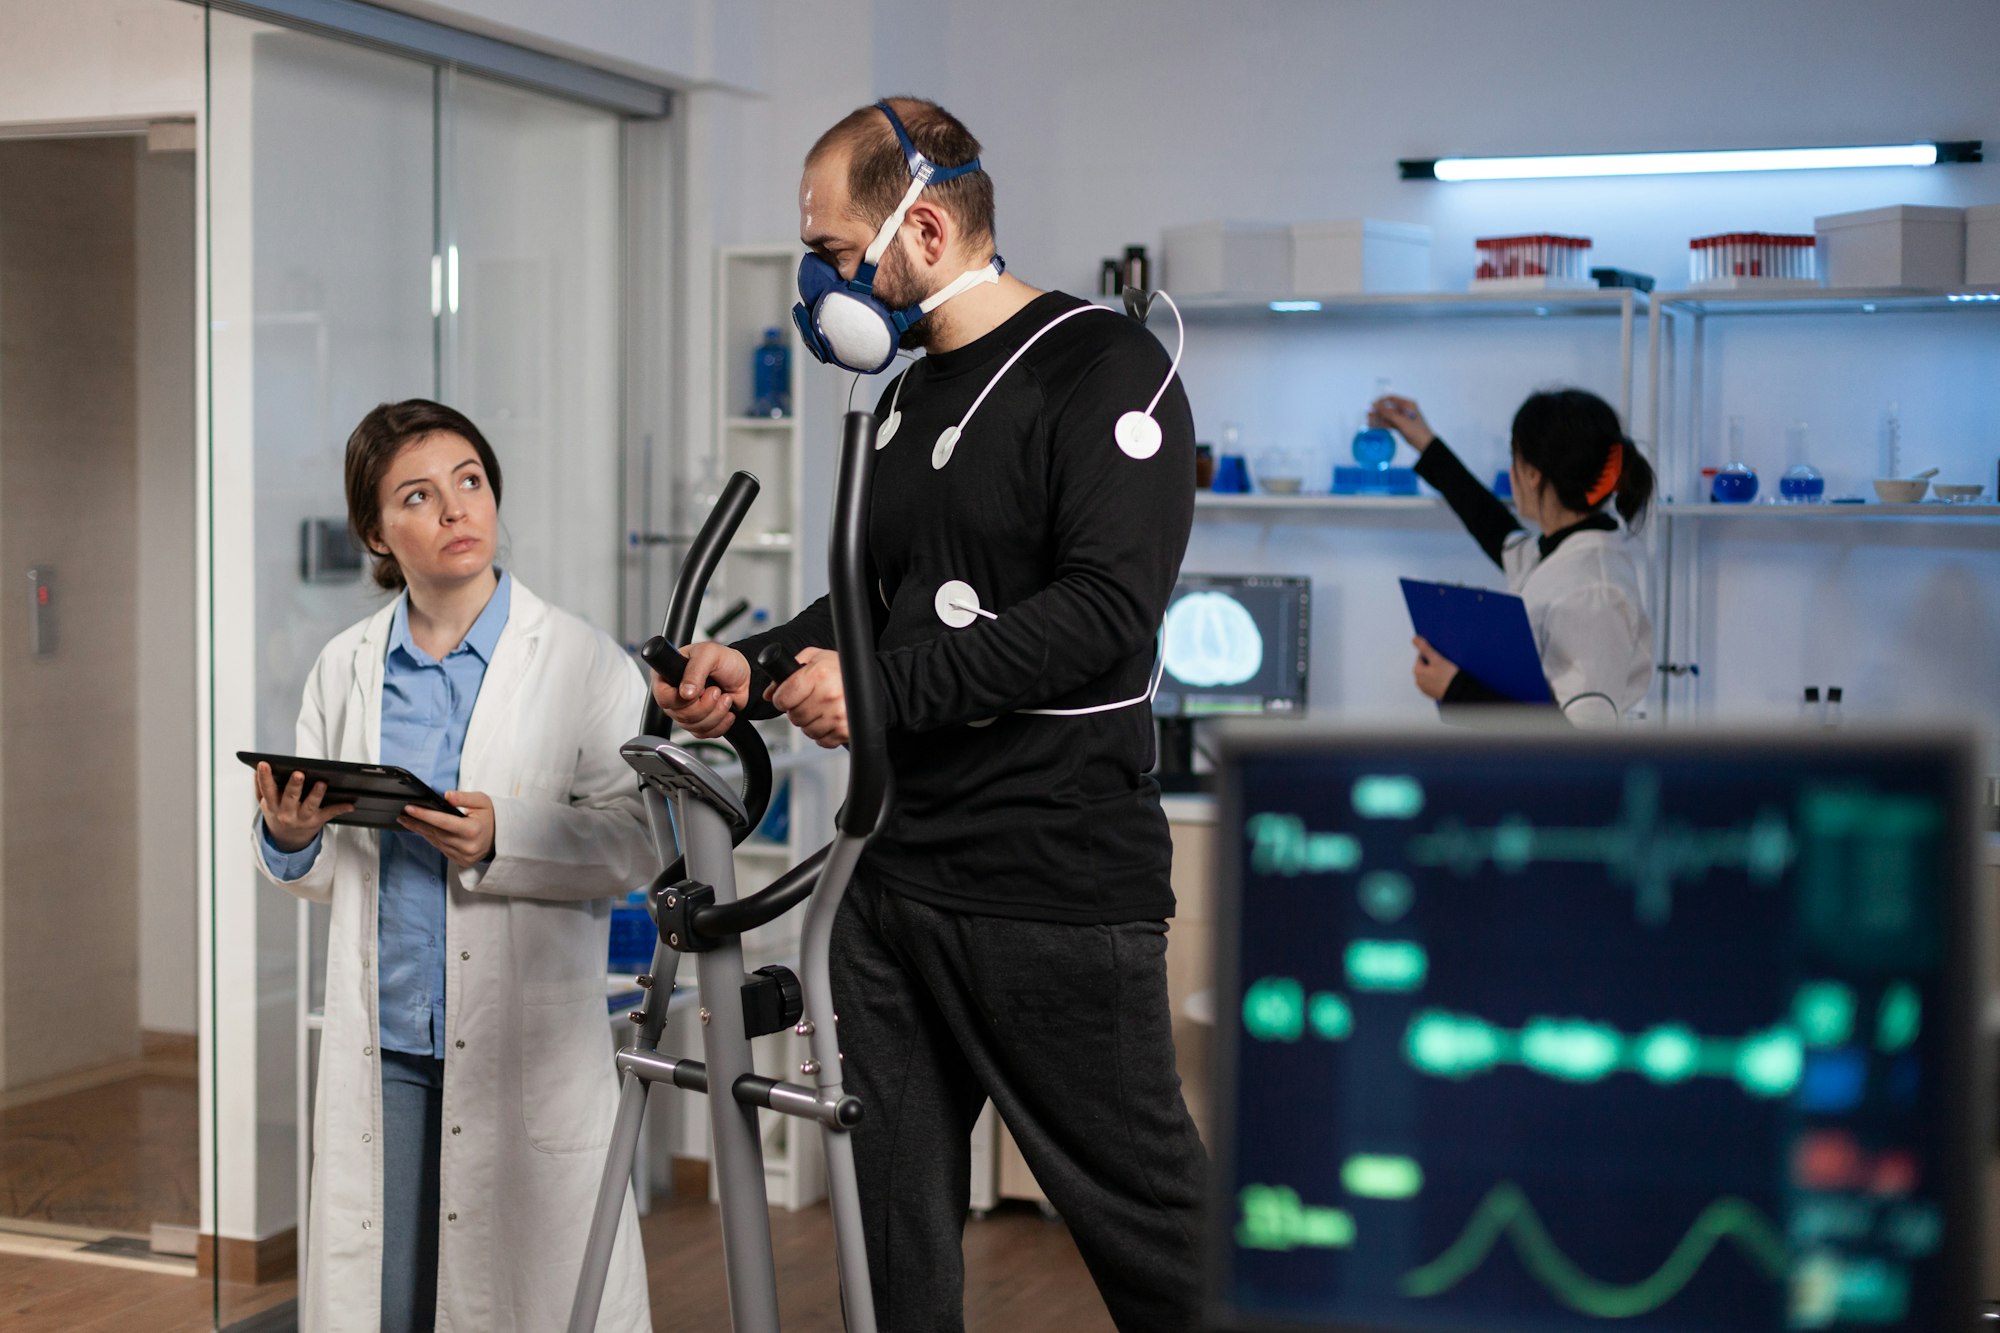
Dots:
pixel 660 653
pixel 854 630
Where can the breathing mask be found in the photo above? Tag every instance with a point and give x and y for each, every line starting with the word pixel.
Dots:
pixel 842 321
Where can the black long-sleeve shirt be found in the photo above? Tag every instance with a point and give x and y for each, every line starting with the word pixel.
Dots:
pixel 1074 546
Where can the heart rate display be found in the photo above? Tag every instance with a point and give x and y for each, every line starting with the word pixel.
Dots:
pixel 1545 1032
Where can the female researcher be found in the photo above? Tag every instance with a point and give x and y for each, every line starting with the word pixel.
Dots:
pixel 466 1090
pixel 1578 578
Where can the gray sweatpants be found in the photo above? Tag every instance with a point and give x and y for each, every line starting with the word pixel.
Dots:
pixel 1068 1030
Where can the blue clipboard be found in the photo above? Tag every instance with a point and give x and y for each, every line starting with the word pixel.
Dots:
pixel 1484 633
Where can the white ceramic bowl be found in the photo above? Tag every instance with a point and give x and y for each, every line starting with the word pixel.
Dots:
pixel 1280 485
pixel 1898 491
pixel 1958 492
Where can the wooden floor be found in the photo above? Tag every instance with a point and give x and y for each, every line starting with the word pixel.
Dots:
pixel 1022 1275
pixel 115 1155
pixel 122 1154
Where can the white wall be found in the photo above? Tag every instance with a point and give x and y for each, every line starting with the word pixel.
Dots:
pixel 1105 122
pixel 100 61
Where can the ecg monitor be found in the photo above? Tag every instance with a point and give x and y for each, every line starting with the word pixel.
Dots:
pixel 1526 1031
pixel 1235 644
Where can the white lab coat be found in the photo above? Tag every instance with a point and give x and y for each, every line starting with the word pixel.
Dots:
pixel 1588 613
pixel 530 1091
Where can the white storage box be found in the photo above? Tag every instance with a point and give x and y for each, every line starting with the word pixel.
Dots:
pixel 1348 258
pixel 1226 259
pixel 1904 246
pixel 1982 246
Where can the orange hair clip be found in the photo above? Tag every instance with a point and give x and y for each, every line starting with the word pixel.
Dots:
pixel 1607 480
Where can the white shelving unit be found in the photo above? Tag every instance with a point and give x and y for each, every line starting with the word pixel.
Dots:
pixel 754 292
pixel 1677 415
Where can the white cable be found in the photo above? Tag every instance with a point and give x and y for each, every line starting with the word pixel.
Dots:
pixel 1019 352
pixel 1180 345
pixel 1152 688
pixel 855 383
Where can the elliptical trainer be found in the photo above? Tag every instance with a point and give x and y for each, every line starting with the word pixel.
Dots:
pixel 695 905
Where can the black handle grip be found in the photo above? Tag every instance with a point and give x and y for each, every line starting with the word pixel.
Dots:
pixel 777 663
pixel 665 659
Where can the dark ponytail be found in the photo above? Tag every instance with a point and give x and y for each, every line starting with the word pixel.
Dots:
pixel 1574 440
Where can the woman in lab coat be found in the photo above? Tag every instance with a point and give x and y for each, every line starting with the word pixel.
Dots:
pixel 466 1086
pixel 1585 486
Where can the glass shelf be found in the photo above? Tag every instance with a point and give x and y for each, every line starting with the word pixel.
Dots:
pixel 1827 301
pixel 1829 512
pixel 1280 504
pixel 1404 305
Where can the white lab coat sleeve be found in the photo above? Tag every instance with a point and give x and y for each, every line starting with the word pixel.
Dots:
pixel 1596 650
pixel 591 841
pixel 316 885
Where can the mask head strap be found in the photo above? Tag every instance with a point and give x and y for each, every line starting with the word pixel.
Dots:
pixel 939 175
pixel 923 172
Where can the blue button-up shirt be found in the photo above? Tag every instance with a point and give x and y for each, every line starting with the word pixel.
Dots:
pixel 426 708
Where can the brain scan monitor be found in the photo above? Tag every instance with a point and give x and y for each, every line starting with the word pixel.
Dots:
pixel 1235 643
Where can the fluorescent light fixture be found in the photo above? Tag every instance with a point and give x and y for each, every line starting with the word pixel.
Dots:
pixel 1676 164
pixel 1972 296
pixel 1295 307
pixel 451 278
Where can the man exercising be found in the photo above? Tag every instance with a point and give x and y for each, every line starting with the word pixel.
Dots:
pixel 1005 933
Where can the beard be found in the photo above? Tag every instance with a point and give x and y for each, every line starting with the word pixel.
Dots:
pixel 898 287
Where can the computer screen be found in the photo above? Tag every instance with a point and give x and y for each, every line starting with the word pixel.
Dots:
pixel 1663 1032
pixel 1234 644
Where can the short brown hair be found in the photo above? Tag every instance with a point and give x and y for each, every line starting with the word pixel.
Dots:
pixel 878 175
pixel 373 447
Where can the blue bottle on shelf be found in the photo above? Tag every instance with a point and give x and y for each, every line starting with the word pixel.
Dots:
pixel 772 377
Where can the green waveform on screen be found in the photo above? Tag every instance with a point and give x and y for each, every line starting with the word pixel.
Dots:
pixel 1274 1218
pixel 1282 845
pixel 1642 850
pixel 1506 1212
pixel 1576 1050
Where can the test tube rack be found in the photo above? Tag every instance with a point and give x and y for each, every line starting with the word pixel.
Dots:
pixel 1538 263
pixel 1752 261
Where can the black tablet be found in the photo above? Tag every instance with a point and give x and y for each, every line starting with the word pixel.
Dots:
pixel 379 791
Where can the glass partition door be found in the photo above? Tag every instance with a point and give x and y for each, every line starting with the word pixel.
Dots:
pixel 381 228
